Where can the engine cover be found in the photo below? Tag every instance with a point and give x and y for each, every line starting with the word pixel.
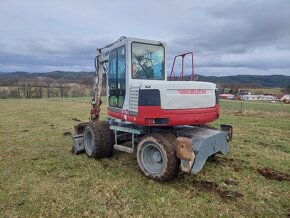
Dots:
pixel 164 103
pixel 183 94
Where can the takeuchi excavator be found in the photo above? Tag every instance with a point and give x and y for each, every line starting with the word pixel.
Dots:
pixel 164 117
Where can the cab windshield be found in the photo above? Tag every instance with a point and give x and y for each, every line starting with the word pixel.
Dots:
pixel 148 61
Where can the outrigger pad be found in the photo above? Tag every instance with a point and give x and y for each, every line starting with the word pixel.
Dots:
pixel 205 143
pixel 78 144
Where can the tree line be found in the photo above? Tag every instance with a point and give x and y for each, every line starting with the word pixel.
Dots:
pixel 35 89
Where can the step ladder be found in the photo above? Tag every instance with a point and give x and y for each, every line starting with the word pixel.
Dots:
pixel 123 129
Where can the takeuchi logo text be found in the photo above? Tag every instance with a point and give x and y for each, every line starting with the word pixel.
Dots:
pixel 191 91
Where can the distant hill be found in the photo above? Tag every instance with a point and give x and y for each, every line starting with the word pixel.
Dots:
pixel 86 78
pixel 54 76
pixel 250 80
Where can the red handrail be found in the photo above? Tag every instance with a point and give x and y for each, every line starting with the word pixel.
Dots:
pixel 182 66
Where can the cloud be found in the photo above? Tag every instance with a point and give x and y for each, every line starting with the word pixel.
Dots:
pixel 227 37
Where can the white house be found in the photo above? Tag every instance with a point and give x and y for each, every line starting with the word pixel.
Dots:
pixel 258 98
pixel 227 96
pixel 285 98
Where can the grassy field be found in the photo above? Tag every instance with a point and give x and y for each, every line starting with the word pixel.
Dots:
pixel 252 106
pixel 39 177
pixel 272 91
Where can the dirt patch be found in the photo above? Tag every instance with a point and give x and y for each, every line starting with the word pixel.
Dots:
pixel 180 176
pixel 230 195
pixel 105 165
pixel 76 119
pixel 67 133
pixel 237 165
pixel 230 182
pixel 87 213
pixel 26 130
pixel 204 185
pixel 272 174
pixel 207 186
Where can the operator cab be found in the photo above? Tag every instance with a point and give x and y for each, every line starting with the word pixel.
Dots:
pixel 138 90
pixel 133 59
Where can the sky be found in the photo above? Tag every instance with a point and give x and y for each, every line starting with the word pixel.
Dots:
pixel 227 37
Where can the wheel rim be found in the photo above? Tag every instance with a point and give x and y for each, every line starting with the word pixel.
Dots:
pixel 89 142
pixel 152 158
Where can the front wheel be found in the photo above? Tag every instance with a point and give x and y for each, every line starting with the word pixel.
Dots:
pixel 156 156
pixel 98 140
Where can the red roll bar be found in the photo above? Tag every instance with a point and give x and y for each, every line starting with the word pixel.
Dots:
pixel 172 75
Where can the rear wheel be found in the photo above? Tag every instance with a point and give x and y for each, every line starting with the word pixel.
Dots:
pixel 156 156
pixel 98 140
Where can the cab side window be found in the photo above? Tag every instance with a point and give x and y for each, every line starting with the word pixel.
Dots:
pixel 112 79
pixel 117 77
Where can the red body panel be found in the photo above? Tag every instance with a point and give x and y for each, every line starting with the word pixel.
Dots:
pixel 175 117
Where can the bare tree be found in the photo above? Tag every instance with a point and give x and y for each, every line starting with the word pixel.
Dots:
pixel 75 92
pixel 48 91
pixel 54 92
pixel 48 87
pixel 63 89
pixel 82 90
pixel 18 92
pixel 38 90
pixel 4 93
pixel 13 93
pixel 27 89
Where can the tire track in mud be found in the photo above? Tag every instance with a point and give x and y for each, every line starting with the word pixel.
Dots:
pixel 225 194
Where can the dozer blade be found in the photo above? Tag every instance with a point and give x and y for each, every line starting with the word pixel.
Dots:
pixel 196 144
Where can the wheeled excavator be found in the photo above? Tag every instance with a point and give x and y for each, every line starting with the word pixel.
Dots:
pixel 163 119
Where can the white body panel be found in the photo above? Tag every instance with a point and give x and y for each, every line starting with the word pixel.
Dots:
pixel 173 94
pixel 183 94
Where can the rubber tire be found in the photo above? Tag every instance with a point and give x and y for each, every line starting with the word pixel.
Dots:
pixel 103 139
pixel 166 144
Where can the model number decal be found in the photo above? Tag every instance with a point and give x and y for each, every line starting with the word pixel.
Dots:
pixel 192 91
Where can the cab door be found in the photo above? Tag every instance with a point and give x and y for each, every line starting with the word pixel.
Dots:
pixel 117 77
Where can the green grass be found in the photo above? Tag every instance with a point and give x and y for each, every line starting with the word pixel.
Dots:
pixel 272 91
pixel 40 177
pixel 254 106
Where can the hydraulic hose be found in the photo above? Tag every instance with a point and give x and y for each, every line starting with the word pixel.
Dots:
pixel 97 68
